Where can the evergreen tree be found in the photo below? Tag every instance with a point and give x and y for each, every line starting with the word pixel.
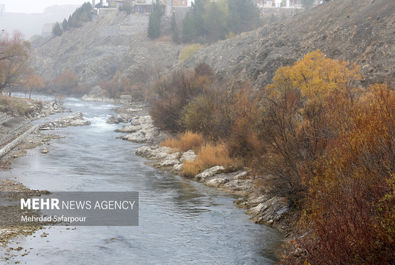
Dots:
pixel 214 22
pixel 155 20
pixel 307 3
pixel 64 25
pixel 243 16
pixel 174 28
pixel 57 30
pixel 193 25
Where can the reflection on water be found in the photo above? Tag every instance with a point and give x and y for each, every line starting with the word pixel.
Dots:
pixel 181 221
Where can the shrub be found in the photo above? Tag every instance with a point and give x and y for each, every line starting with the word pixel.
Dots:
pixel 172 94
pixel 188 51
pixel 184 142
pixel 66 83
pixel 351 196
pixel 206 115
pixel 303 110
pixel 209 155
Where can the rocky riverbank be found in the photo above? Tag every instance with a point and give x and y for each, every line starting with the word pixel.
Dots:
pixel 253 196
pixel 29 141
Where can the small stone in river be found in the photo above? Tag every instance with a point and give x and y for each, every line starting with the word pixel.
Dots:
pixel 44 151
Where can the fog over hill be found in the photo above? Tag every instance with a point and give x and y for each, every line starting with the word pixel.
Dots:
pixel 32 24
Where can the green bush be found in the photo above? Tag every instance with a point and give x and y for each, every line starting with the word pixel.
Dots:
pixel 172 94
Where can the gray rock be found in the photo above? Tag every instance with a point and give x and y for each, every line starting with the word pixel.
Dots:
pixel 153 152
pixel 169 161
pixel 269 211
pixel 188 156
pixel 209 173
pixel 75 119
pixel 129 129
pixel 239 185
pixel 44 151
pixel 178 167
pixel 119 118
pixel 217 181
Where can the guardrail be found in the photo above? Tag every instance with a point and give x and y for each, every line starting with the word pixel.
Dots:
pixel 14 133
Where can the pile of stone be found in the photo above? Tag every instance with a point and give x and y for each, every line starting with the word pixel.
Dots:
pixel 140 130
pixel 75 119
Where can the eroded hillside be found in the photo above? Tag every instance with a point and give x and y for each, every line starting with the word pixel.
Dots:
pixel 359 31
pixel 96 51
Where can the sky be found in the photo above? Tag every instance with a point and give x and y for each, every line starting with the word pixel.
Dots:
pixel 35 6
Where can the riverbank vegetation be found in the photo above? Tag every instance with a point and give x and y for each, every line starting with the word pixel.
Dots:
pixel 17 106
pixel 314 135
pixel 14 55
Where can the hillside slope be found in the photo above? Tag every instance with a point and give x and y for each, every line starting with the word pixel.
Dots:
pixel 360 31
pixel 98 49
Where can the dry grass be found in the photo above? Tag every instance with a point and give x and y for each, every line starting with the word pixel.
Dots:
pixel 188 51
pixel 17 106
pixel 184 142
pixel 209 155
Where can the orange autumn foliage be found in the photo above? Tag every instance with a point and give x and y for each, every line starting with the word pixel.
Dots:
pixel 350 210
pixel 185 141
pixel 335 146
pixel 34 82
pixel 208 156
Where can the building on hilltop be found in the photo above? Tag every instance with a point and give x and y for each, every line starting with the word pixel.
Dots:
pixel 279 3
pixel 143 6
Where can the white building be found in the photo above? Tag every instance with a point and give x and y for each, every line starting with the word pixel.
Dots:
pixel 279 3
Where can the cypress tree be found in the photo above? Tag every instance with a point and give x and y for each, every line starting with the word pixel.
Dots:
pixel 174 29
pixel 154 21
pixel 57 30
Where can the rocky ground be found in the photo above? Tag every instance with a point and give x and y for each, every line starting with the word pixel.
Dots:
pixel 97 50
pixel 360 32
pixel 13 212
pixel 75 119
pixel 261 206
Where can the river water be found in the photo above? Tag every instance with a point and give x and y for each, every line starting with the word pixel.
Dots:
pixel 181 221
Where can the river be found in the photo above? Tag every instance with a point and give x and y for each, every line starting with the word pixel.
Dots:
pixel 181 221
